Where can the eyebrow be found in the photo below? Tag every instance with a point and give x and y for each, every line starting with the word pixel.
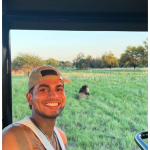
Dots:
pixel 44 85
pixel 60 86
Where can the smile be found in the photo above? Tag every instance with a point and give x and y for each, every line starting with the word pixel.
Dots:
pixel 51 104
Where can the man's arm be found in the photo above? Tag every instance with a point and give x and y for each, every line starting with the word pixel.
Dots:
pixel 8 139
pixel 14 137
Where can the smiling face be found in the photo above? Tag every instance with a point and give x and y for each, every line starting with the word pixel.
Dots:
pixel 48 99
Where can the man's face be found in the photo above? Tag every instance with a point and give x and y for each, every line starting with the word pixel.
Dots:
pixel 48 99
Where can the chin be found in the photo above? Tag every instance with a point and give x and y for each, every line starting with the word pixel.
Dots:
pixel 48 115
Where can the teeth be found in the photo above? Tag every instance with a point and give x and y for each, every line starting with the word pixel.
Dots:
pixel 52 104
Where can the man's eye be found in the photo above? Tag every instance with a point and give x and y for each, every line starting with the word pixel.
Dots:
pixel 43 90
pixel 59 89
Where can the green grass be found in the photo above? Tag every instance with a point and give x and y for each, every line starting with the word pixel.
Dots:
pixel 115 112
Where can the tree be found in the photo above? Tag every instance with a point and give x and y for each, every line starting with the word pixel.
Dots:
pixel 79 61
pixel 103 62
pixel 143 56
pixel 146 44
pixel 121 64
pixel 68 63
pixel 96 63
pixel 80 56
pixel 65 64
pixel 27 62
pixel 52 62
pixel 88 60
pixel 135 56
pixel 143 52
pixel 61 63
pixel 83 64
pixel 130 56
pixel 109 60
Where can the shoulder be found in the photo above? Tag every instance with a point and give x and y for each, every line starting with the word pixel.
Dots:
pixel 10 133
pixel 63 136
pixel 14 137
pixel 11 129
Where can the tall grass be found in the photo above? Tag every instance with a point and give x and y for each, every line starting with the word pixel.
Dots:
pixel 109 119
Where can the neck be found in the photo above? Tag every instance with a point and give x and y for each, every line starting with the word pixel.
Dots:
pixel 46 124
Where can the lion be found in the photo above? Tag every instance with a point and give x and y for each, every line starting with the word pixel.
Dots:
pixel 83 92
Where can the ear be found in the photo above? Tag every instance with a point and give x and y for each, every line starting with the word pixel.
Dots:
pixel 29 98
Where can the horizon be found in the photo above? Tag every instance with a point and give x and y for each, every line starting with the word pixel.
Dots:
pixel 66 45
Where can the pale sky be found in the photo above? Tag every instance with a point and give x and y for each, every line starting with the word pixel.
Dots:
pixel 65 45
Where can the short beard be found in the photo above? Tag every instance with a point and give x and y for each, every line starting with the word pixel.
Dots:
pixel 46 116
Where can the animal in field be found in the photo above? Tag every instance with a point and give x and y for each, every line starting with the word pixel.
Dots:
pixel 83 92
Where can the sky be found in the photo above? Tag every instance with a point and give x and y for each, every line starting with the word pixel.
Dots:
pixel 65 45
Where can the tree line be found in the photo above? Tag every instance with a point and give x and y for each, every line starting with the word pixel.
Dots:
pixel 27 62
pixel 132 57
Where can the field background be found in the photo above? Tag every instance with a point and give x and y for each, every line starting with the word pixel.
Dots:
pixel 109 119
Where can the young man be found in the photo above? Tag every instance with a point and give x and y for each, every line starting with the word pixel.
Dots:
pixel 46 97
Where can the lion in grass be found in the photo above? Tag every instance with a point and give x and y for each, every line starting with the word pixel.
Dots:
pixel 83 92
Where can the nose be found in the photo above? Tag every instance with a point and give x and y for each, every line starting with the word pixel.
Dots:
pixel 52 94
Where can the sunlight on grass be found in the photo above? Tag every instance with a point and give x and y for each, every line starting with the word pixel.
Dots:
pixel 115 112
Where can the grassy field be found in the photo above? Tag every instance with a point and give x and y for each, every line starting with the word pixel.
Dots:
pixel 109 119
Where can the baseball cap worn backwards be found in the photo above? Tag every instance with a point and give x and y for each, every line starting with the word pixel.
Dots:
pixel 42 73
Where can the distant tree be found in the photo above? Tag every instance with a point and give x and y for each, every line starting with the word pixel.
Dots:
pixel 68 63
pixel 83 64
pixel 135 56
pixel 26 62
pixel 144 54
pixel 80 56
pixel 88 61
pixel 121 64
pixel 79 62
pixel 103 62
pixel 146 44
pixel 52 62
pixel 96 62
pixel 64 64
pixel 61 63
pixel 109 60
pixel 130 57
